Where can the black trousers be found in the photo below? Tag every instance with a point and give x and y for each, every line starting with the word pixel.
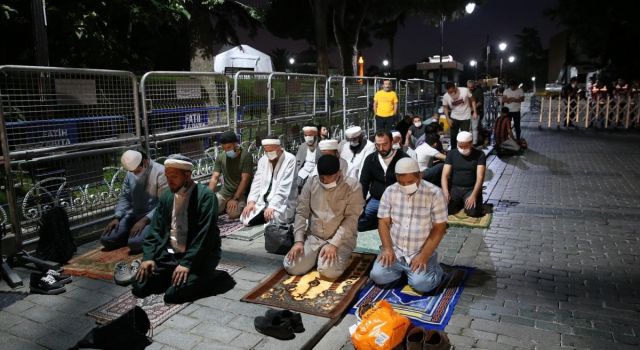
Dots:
pixel 458 196
pixel 199 282
pixel 386 123
pixel 457 126
pixel 433 174
pixel 515 116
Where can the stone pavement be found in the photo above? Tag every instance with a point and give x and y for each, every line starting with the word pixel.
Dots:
pixel 558 269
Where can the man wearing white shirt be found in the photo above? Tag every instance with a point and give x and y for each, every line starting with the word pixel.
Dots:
pixel 512 98
pixel 459 107
pixel 307 155
pixel 426 154
pixel 355 150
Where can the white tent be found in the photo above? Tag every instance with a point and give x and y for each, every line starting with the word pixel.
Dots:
pixel 242 57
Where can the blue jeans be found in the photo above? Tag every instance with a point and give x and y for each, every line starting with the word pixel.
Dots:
pixel 422 281
pixel 119 236
pixel 369 218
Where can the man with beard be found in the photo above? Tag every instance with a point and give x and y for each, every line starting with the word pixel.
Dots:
pixel 355 150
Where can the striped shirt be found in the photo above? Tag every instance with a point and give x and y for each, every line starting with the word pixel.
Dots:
pixel 412 216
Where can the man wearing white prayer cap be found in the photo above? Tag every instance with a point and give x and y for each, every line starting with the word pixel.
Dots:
pixel 182 249
pixel 330 147
pixel 355 150
pixel 137 201
pixel 463 175
pixel 397 139
pixel 307 155
pixel 409 241
pixel 272 198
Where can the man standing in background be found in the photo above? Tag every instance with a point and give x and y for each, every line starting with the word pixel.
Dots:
pixel 385 106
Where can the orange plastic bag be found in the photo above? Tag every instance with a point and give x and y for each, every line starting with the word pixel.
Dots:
pixel 381 328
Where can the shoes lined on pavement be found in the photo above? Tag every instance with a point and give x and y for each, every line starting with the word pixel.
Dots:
pixel 294 318
pixel 415 338
pixel 60 277
pixel 45 284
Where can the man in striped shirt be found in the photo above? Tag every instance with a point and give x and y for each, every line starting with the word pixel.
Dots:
pixel 412 222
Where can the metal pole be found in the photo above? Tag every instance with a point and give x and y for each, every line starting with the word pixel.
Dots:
pixel 40 40
pixel 500 75
pixel 441 53
pixel 487 61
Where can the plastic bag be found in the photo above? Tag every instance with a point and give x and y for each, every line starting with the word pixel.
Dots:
pixel 381 328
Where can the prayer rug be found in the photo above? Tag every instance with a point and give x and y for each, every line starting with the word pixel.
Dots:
pixel 248 233
pixel 99 264
pixel 309 293
pixel 431 310
pixel 460 219
pixel 227 226
pixel 153 305
pixel 368 242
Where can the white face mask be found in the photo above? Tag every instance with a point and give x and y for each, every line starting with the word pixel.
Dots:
pixel 464 152
pixel 396 146
pixel 309 140
pixel 328 186
pixel 417 124
pixel 354 143
pixel 271 155
pixel 409 189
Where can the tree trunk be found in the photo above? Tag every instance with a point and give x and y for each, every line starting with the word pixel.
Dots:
pixel 320 10
pixel 346 31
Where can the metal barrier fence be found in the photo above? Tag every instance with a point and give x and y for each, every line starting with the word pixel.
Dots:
pixel 61 129
pixel 603 112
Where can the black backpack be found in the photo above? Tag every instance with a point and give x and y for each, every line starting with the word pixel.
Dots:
pixel 56 243
pixel 126 332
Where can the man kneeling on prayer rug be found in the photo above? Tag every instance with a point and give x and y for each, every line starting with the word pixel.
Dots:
pixel 182 248
pixel 412 222
pixel 326 222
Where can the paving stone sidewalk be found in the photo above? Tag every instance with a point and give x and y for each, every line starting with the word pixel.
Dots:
pixel 558 269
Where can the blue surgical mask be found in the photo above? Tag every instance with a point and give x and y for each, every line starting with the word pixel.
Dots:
pixel 231 154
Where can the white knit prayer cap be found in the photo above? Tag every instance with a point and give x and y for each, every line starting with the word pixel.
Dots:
pixel 131 160
pixel 464 136
pixel 407 166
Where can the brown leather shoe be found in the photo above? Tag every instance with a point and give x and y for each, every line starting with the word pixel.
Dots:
pixel 415 338
pixel 436 340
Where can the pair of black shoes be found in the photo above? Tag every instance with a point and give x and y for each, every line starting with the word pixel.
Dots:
pixel 50 283
pixel 280 324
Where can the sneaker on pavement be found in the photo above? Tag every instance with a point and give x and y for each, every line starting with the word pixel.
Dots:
pixel 122 274
pixel 45 284
pixel 60 277
pixel 135 265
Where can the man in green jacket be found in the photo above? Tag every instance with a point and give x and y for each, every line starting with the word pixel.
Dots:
pixel 182 248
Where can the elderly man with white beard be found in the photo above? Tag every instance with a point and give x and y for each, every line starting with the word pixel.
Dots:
pixel 307 155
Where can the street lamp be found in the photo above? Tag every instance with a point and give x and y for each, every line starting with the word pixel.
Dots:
pixel 533 82
pixel 292 60
pixel 385 63
pixel 468 9
pixel 502 46
pixel 474 64
pixel 512 59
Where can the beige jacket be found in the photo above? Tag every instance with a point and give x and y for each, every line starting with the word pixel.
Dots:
pixel 332 215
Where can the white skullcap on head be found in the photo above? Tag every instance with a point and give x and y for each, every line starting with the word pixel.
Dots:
pixel 269 141
pixel 179 161
pixel 395 133
pixel 326 145
pixel 464 136
pixel 131 160
pixel 309 128
pixel 353 131
pixel 407 166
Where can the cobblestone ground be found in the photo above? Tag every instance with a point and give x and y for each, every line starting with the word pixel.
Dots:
pixel 558 269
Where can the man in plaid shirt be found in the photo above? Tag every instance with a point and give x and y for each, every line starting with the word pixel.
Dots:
pixel 412 221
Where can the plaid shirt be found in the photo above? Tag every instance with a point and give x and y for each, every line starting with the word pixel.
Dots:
pixel 412 216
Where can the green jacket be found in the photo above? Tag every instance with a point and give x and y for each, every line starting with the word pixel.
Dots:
pixel 203 238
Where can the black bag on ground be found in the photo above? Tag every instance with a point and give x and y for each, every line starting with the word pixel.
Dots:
pixel 56 243
pixel 128 331
pixel 278 238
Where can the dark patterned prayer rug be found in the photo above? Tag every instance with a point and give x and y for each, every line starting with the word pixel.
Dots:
pixel 431 310
pixel 153 305
pixel 228 226
pixel 311 294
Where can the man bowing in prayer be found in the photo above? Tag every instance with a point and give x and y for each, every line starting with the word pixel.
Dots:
pixel 182 249
pixel 273 191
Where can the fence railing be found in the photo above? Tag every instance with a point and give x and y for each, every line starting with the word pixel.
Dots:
pixel 600 111
pixel 62 130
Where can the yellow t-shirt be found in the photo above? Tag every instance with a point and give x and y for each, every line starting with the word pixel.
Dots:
pixel 386 103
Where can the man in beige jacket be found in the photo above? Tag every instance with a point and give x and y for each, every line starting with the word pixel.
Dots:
pixel 326 222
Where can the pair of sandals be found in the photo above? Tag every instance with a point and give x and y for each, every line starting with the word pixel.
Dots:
pixel 279 324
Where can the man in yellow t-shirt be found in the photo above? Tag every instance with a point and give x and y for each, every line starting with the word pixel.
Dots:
pixel 385 107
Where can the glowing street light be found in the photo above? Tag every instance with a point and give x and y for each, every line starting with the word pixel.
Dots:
pixel 533 79
pixel 512 59
pixel 502 46
pixel 385 63
pixel 470 7
pixel 474 64
pixel 292 60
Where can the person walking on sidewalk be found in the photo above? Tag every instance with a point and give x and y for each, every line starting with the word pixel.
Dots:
pixel 385 106
pixel 459 107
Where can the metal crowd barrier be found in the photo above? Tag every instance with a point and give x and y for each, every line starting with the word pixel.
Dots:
pixel 600 111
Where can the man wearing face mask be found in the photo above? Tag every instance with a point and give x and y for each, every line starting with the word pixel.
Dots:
pixel 378 173
pixel 273 190
pixel 325 228
pixel 356 150
pixel 236 167
pixel 143 184
pixel 182 249
pixel 397 139
pixel 330 147
pixel 412 222
pixel 415 131
pixel 462 177
pixel 307 155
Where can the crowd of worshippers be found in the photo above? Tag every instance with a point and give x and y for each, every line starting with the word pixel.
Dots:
pixel 328 192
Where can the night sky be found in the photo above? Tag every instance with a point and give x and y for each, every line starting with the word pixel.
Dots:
pixel 464 38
